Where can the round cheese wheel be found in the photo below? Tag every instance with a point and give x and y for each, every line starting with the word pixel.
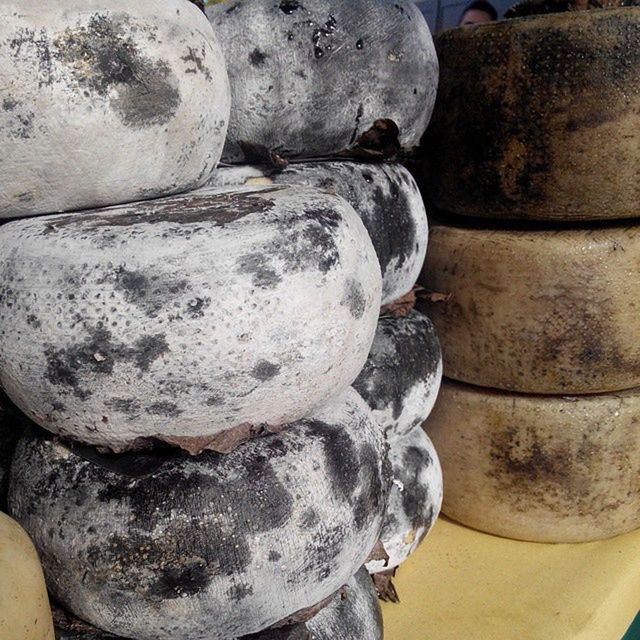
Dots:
pixel 545 124
pixel 414 501
pixel 401 378
pixel 385 196
pixel 185 318
pixel 352 615
pixel 537 311
pixel 536 7
pixel 309 78
pixel 106 101
pixel 24 606
pixel 163 545
pixel 539 468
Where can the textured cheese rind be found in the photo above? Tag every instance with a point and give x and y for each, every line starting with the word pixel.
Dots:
pixel 545 124
pixel 537 311
pixel 212 546
pixel 185 317
pixel 309 78
pixel 385 196
pixel 24 605
pixel 539 468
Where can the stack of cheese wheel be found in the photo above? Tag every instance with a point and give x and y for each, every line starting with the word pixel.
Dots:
pixel 537 425
pixel 321 95
pixel 156 339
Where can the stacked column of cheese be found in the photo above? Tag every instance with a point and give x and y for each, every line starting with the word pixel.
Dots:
pixel 206 471
pixel 536 141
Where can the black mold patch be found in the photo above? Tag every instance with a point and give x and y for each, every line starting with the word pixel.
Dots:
pixel 415 495
pixel 105 60
pixel 20 119
pixel 321 554
pixel 197 307
pixel 258 266
pixel 166 409
pixel 197 58
pixel 264 370
pixel 354 298
pixel 239 592
pixel 257 58
pixel 274 556
pixel 176 582
pixel 290 6
pixel 373 492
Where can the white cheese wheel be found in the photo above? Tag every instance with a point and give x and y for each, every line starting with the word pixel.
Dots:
pixel 184 318
pixel 24 605
pixel 414 501
pixel 352 615
pixel 537 311
pixel 385 196
pixel 539 468
pixel 106 101
pixel 163 545
pixel 401 378
pixel 539 118
pixel 310 77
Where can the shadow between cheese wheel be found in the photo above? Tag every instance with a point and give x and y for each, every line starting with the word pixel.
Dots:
pixel 107 102
pixel 545 124
pixel 11 429
pixel 207 546
pixel 133 323
pixel 537 311
pixel 539 468
pixel 309 78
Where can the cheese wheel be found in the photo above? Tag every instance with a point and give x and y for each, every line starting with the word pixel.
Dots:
pixel 536 7
pixel 537 311
pixel 414 501
pixel 309 78
pixel 401 378
pixel 163 545
pixel 385 196
pixel 24 606
pixel 185 318
pixel 353 615
pixel 545 124
pixel 539 468
pixel 106 101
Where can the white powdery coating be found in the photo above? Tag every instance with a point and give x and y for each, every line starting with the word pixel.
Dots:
pixel 186 316
pixel 309 78
pixel 210 546
pixel 385 196
pixel 106 101
pixel 415 499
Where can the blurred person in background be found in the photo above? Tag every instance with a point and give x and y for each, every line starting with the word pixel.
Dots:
pixel 477 12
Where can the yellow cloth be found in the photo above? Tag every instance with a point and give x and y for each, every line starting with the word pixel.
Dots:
pixel 467 585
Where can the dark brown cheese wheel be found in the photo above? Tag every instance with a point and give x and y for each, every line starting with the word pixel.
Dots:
pixel 539 118
pixel 106 101
pixel 536 7
pixel 193 319
pixel 309 77
pixel 163 545
pixel 539 468
pixel 538 311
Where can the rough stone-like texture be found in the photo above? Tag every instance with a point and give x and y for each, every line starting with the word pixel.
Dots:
pixel 135 322
pixel 536 7
pixel 385 196
pixel 162 545
pixel 414 501
pixel 353 615
pixel 106 101
pixel 545 124
pixel 539 468
pixel 401 378
pixel 537 311
pixel 308 78
pixel 11 428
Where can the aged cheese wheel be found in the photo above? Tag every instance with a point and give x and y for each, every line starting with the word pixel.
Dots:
pixel 24 606
pixel 385 196
pixel 106 101
pixel 539 468
pixel 537 311
pixel 414 501
pixel 309 78
pixel 163 545
pixel 184 318
pixel 353 615
pixel 545 124
pixel 401 378
pixel 536 7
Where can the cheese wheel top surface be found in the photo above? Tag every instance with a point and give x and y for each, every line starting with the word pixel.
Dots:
pixel 544 311
pixel 106 101
pixel 186 317
pixel 539 468
pixel 309 78
pixel 544 123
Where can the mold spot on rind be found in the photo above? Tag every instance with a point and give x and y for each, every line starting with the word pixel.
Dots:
pixel 264 370
pixel 257 58
pixel 354 298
